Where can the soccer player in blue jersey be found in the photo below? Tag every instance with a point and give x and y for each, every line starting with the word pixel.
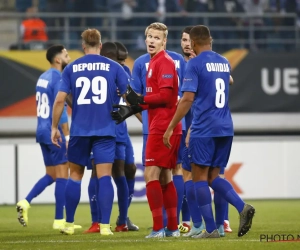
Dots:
pixel 55 159
pixel 206 83
pixel 93 81
pixel 138 84
pixel 129 167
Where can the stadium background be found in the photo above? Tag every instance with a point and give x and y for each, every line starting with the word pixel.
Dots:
pixel 262 47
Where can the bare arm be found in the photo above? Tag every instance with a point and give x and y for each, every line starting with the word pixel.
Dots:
pixel 182 109
pixel 69 100
pixel 230 80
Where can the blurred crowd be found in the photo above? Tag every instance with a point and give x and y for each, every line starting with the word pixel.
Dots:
pixel 225 38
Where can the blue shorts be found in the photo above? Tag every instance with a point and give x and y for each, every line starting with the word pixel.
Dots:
pixel 53 155
pixel 129 154
pixel 80 148
pixel 181 147
pixel 120 151
pixel 89 165
pixel 145 138
pixel 210 151
pixel 186 162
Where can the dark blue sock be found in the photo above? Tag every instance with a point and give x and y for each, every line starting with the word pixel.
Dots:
pixel 130 184
pixel 92 190
pixel 73 191
pixel 39 187
pixel 226 190
pixel 204 202
pixel 106 198
pixel 192 203
pixel 123 194
pixel 226 211
pixel 59 193
pixel 98 203
pixel 220 208
pixel 179 185
pixel 165 217
pixel 185 212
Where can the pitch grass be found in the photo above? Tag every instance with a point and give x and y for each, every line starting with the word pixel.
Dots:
pixel 272 217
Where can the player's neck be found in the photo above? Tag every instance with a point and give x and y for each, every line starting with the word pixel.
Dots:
pixel 186 58
pixel 92 51
pixel 201 49
pixel 153 55
pixel 56 66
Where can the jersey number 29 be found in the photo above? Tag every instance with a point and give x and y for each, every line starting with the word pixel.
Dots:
pixel 220 94
pixel 43 108
pixel 99 89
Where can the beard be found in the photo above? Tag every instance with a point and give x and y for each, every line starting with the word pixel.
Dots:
pixel 186 53
pixel 63 65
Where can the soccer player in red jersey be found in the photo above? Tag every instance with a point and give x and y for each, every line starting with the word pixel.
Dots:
pixel 160 100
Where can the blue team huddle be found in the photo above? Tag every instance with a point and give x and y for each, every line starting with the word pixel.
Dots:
pixel 99 88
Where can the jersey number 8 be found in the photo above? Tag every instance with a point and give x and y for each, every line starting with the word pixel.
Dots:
pixel 220 94
pixel 99 89
pixel 43 108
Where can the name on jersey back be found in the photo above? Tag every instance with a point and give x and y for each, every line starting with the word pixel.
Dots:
pixel 91 66
pixel 218 67
pixel 42 83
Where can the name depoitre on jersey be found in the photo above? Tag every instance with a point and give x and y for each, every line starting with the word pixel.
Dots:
pixel 217 67
pixel 91 66
pixel 42 83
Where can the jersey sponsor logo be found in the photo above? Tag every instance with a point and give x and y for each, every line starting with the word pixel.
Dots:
pixel 217 67
pixel 42 83
pixel 187 79
pixel 150 73
pixel 167 76
pixel 149 159
pixel 148 89
pixel 91 66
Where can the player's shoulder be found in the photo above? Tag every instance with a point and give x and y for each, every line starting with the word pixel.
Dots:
pixel 174 55
pixel 142 59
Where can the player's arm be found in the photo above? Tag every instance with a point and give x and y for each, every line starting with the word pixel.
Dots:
pixel 58 106
pixel 69 100
pixel 64 124
pixel 230 80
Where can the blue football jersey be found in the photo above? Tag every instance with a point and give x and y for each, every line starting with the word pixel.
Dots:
pixel 46 89
pixel 121 129
pixel 207 75
pixel 93 81
pixel 138 79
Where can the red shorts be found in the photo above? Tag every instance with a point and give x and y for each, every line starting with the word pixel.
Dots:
pixel 157 154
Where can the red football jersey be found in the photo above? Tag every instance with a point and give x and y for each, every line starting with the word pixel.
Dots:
pixel 162 74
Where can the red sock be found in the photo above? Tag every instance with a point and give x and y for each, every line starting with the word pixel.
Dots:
pixel 155 200
pixel 170 204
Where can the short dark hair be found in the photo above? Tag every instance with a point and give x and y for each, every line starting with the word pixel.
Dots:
pixel 109 49
pixel 187 30
pixel 200 34
pixel 53 51
pixel 122 51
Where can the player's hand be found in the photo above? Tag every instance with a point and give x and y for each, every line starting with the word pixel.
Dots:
pixel 132 97
pixel 192 54
pixel 56 137
pixel 166 138
pixel 124 112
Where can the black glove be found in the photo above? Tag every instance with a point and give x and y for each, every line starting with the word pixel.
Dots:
pixel 132 97
pixel 124 112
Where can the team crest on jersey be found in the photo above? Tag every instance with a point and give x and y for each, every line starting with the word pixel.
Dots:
pixel 150 73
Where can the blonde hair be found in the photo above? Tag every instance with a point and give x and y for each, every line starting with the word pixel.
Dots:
pixel 91 37
pixel 158 26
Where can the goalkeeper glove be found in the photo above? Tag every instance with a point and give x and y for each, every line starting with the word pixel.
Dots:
pixel 132 97
pixel 124 112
